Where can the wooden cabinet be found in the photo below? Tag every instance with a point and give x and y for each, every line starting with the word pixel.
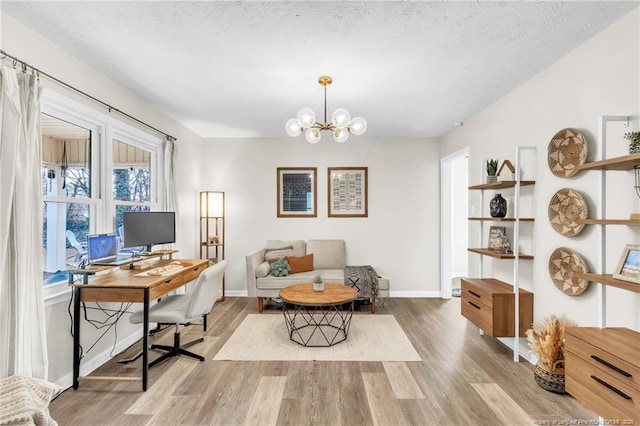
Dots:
pixel 602 370
pixel 490 304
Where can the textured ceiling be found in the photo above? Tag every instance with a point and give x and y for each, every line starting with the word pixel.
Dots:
pixel 241 69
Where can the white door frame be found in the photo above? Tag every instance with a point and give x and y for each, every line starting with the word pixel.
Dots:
pixel 446 188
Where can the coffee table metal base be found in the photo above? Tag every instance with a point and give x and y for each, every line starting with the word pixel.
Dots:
pixel 318 326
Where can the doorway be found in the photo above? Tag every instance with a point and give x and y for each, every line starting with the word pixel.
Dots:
pixel 454 180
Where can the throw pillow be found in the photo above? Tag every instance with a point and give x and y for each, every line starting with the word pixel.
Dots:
pixel 280 268
pixel 301 263
pixel 263 269
pixel 273 254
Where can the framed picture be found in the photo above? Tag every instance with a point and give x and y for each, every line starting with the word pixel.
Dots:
pixel 347 191
pixel 628 268
pixel 498 240
pixel 297 189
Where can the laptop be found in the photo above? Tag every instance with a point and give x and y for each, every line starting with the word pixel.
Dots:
pixel 103 250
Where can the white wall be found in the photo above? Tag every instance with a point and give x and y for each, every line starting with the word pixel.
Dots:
pixel 19 41
pixel 400 235
pixel 601 77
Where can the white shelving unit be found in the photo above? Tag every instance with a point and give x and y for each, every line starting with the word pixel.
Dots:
pixel 515 342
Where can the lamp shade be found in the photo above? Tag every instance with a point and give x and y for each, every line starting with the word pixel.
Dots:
pixel 212 204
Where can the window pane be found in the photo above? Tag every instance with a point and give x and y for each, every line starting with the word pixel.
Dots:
pixel 120 209
pixel 131 173
pixel 65 230
pixel 66 158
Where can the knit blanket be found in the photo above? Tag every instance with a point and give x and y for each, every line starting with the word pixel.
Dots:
pixel 364 279
pixel 25 401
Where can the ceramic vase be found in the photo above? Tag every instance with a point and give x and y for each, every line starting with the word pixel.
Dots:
pixel 318 286
pixel 498 206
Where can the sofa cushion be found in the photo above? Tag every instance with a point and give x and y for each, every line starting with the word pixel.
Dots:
pixel 300 263
pixel 298 246
pixel 328 254
pixel 263 269
pixel 329 275
pixel 273 254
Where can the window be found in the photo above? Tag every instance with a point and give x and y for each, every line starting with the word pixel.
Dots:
pixel 87 184
pixel 132 181
pixel 66 185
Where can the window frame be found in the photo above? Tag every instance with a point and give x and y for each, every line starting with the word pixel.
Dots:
pixel 104 129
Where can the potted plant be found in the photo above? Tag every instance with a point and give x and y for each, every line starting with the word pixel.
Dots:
pixel 492 170
pixel 546 340
pixel 318 283
pixel 634 142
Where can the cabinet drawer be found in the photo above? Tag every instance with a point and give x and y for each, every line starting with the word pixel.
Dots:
pixel 604 393
pixel 167 285
pixel 477 313
pixel 476 295
pixel 194 272
pixel 627 373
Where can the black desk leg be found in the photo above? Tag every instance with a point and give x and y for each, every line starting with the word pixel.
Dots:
pixel 76 336
pixel 145 343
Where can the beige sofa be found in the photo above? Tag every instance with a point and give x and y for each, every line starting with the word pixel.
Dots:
pixel 329 260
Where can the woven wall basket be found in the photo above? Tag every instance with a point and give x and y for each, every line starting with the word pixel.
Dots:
pixel 564 263
pixel 566 208
pixel 566 152
pixel 550 381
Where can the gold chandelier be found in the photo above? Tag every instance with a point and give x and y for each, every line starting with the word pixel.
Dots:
pixel 341 124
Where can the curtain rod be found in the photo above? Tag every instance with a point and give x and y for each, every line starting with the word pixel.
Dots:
pixel 4 55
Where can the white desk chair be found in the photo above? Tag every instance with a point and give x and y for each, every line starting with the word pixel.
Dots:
pixel 184 308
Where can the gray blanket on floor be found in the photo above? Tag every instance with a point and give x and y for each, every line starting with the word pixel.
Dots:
pixel 364 279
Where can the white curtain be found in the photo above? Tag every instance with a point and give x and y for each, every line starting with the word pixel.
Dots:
pixel 170 152
pixel 23 345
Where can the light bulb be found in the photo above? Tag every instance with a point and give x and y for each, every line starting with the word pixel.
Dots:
pixel 306 117
pixel 313 135
pixel 357 126
pixel 293 127
pixel 340 117
pixel 340 135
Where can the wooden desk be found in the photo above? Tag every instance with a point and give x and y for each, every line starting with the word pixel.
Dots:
pixel 122 285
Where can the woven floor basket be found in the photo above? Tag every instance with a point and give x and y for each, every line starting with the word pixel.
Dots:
pixel 553 382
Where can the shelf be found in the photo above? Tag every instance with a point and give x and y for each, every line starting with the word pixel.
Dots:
pixel 506 219
pixel 608 221
pixel 626 162
pixel 490 253
pixel 502 184
pixel 203 244
pixel 607 279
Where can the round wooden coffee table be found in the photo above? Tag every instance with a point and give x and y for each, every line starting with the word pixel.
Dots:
pixel 318 318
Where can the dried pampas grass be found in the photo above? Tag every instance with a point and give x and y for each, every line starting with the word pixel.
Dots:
pixel 546 339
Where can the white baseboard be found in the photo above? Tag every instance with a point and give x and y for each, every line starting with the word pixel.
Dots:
pixel 87 366
pixel 422 294
pixel 236 293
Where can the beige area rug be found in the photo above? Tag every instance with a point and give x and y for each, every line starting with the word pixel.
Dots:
pixel 265 338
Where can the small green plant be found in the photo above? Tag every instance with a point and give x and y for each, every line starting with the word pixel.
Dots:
pixel 318 279
pixel 634 142
pixel 492 167
pixel 280 268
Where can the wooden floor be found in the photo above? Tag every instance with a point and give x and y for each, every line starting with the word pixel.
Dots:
pixel 464 379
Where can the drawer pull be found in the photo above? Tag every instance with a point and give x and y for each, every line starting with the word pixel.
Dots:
pixel 168 281
pixel 611 366
pixel 475 294
pixel 474 305
pixel 608 386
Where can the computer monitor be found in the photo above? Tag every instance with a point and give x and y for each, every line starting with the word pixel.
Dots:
pixel 148 228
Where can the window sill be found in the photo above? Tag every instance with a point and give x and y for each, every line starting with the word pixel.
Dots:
pixel 56 293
